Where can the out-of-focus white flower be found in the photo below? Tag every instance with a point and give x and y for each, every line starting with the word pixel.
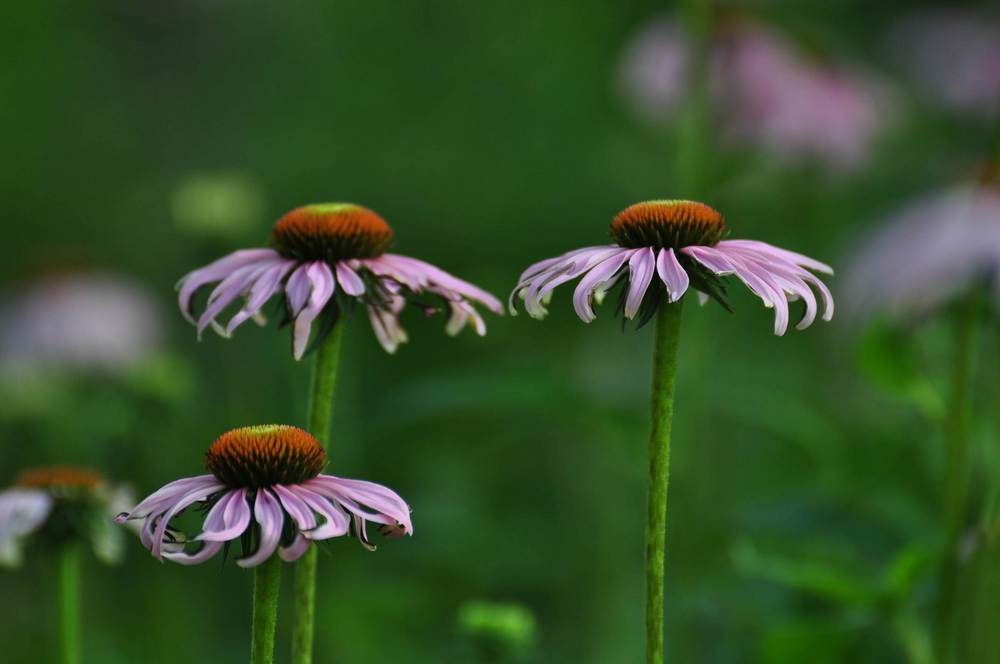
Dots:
pixel 953 56
pixel 765 93
pixel 926 253
pixel 77 322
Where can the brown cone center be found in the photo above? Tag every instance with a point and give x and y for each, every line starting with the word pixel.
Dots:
pixel 673 224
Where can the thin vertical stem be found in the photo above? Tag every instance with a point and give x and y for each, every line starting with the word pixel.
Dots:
pixel 956 478
pixel 69 604
pixel 324 384
pixel 266 584
pixel 668 321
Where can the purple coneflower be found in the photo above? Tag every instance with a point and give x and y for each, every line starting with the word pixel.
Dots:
pixel 267 492
pixel 321 258
pixel 62 508
pixel 662 249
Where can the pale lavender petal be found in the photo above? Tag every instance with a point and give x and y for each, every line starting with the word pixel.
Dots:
pixel 229 289
pixel 207 550
pixel 297 509
pixel 388 505
pixel 542 266
pixel 323 286
pixel 266 285
pixel 673 275
pixel 297 290
pixel 439 277
pixel 785 254
pixel 702 298
pixel 640 268
pixel 349 280
pixel 296 549
pixel 461 313
pixel 388 331
pixel 336 522
pixel 268 514
pixel 228 519
pixel 158 500
pixel 763 284
pixel 598 275
pixel 217 271
pixel 536 290
pixel 193 496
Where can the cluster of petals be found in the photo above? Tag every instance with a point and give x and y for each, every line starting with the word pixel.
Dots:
pixel 257 275
pixel 764 92
pixel 317 509
pixel 777 276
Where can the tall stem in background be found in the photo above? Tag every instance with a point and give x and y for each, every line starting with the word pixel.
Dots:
pixel 324 383
pixel 956 478
pixel 69 604
pixel 668 321
pixel 692 130
pixel 266 584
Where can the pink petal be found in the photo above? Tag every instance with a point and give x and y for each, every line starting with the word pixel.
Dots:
pixel 217 271
pixel 268 514
pixel 323 286
pixel 672 274
pixel 228 519
pixel 349 280
pixel 640 267
pixel 604 271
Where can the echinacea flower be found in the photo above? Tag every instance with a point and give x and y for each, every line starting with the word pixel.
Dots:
pixel 267 492
pixel 927 253
pixel 664 247
pixel 84 322
pixel 59 505
pixel 765 93
pixel 322 258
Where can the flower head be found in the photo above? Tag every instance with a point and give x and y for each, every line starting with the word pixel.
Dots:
pixel 265 490
pixel 664 247
pixel 928 252
pixel 314 250
pixel 59 504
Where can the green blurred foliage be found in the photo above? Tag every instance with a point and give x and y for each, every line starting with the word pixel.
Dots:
pixel 805 485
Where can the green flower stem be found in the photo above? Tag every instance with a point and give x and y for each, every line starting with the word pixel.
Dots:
pixel 324 384
pixel 69 604
pixel 266 584
pixel 668 321
pixel 957 469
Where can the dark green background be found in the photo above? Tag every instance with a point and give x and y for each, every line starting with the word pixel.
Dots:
pixel 490 135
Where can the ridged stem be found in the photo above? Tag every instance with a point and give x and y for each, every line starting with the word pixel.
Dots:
pixel 266 584
pixel 668 321
pixel 324 384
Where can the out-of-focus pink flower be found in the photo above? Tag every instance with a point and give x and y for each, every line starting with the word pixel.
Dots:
pixel 765 93
pixel 78 322
pixel 953 56
pixel 665 247
pixel 926 253
pixel 266 491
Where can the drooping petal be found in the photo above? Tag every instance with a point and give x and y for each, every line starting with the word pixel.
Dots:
pixel 640 266
pixel 159 500
pixel 297 290
pixel 438 277
pixel 349 280
pixel 673 275
pixel 229 289
pixel 217 271
pixel 323 286
pixel 207 550
pixel 187 499
pixel 335 521
pixel 604 271
pixel 264 287
pixel 536 291
pixel 385 505
pixel 267 512
pixel 785 254
pixel 228 518
pixel 22 511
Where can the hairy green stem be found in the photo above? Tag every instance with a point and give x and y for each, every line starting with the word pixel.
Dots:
pixel 69 604
pixel 956 479
pixel 668 321
pixel 324 384
pixel 266 584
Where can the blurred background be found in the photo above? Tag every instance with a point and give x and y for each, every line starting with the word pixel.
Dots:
pixel 142 140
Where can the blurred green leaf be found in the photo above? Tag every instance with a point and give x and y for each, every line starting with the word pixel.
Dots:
pixel 889 359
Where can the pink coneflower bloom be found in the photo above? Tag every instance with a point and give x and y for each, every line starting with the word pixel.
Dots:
pixel 59 505
pixel 322 258
pixel 265 490
pixel 927 253
pixel 663 248
pixel 90 322
pixel 953 56
pixel 764 92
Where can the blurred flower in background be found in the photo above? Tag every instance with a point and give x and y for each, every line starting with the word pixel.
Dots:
pixel 926 253
pixel 77 322
pixel 58 505
pixel 953 56
pixel 218 205
pixel 765 93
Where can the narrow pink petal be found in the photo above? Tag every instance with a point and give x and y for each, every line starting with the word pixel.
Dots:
pixel 230 521
pixel 296 549
pixel 798 259
pixel 323 286
pixel 216 271
pixel 349 280
pixel 386 503
pixel 229 289
pixel 207 550
pixel 268 514
pixel 604 271
pixel 168 493
pixel 297 509
pixel 265 286
pixel 297 290
pixel 441 278
pixel 640 267
pixel 335 521
pixel 539 288
pixel 193 496
pixel 673 275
